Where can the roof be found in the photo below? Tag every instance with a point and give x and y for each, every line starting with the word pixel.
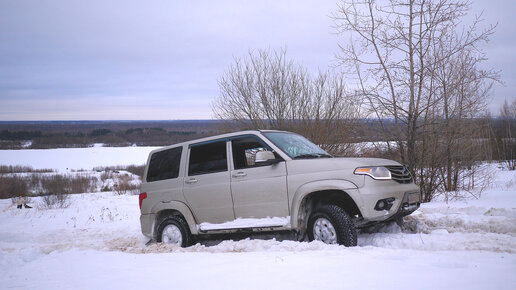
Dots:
pixel 215 137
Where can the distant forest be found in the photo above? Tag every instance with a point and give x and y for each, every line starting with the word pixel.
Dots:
pixel 70 134
pixel 66 134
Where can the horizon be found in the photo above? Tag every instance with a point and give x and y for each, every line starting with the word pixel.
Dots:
pixel 176 120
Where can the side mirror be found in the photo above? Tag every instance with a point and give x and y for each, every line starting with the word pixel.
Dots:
pixel 265 158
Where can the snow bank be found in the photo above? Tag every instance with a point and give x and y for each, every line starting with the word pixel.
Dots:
pixel 484 224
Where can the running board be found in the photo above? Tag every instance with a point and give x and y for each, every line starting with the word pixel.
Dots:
pixel 244 230
pixel 247 225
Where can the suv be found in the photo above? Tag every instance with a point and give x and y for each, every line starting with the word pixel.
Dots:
pixel 268 181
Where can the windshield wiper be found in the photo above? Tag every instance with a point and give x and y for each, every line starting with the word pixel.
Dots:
pixel 313 155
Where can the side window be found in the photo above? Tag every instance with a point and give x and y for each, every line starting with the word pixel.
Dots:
pixel 164 164
pixel 208 158
pixel 244 150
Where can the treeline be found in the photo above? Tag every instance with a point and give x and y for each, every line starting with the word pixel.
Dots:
pixel 500 129
pixel 140 136
pixel 19 135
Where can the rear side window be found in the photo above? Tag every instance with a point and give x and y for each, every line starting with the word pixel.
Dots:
pixel 164 164
pixel 208 158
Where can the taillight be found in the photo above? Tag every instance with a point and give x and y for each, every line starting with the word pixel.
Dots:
pixel 143 196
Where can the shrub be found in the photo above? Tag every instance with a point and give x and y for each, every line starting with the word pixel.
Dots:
pixel 13 186
pixel 20 169
pixel 67 184
pixel 136 170
pixel 51 201
pixel 124 185
pixel 106 175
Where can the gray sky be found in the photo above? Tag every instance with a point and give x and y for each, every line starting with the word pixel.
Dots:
pixel 154 60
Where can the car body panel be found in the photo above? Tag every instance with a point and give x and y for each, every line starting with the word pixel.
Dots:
pixel 260 192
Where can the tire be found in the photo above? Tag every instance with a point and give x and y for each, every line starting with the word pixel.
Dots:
pixel 332 226
pixel 177 232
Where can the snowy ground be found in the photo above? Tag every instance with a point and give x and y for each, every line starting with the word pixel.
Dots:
pixel 96 243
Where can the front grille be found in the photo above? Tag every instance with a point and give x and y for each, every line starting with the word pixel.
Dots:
pixel 400 174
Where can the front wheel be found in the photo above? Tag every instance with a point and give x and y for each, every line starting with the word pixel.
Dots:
pixel 173 230
pixel 332 225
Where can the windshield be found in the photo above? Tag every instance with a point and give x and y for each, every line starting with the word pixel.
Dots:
pixel 296 146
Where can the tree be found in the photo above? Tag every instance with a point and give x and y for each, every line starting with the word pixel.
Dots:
pixel 265 90
pixel 507 136
pixel 418 66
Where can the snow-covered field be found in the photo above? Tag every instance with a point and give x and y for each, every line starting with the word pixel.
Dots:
pixel 63 159
pixel 96 243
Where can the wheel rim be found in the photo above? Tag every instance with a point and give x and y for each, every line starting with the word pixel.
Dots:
pixel 324 231
pixel 172 235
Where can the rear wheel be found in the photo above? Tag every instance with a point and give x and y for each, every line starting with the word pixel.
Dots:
pixel 173 230
pixel 332 225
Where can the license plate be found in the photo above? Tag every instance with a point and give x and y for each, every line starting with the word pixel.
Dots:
pixel 413 197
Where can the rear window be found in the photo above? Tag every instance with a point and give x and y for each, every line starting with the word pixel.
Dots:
pixel 164 164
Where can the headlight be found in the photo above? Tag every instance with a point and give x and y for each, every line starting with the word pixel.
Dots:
pixel 376 172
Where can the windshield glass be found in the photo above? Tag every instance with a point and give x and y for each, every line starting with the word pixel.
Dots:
pixel 296 146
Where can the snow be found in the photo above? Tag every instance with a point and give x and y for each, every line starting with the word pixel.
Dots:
pixel 369 268
pixel 96 243
pixel 241 223
pixel 63 159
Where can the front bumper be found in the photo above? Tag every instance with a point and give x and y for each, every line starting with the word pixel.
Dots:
pixel 404 210
pixel 406 199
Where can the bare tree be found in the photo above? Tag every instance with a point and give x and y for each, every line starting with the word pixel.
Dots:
pixel 266 90
pixel 417 66
pixel 507 135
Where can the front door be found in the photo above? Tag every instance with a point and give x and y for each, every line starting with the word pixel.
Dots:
pixel 207 184
pixel 258 191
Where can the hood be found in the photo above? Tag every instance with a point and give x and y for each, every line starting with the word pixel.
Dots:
pixel 298 166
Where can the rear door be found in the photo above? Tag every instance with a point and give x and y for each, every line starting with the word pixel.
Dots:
pixel 207 183
pixel 258 191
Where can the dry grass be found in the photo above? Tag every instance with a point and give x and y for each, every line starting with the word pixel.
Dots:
pixel 45 185
pixel 21 169
pixel 123 185
pixel 55 201
pixel 134 169
pixel 13 186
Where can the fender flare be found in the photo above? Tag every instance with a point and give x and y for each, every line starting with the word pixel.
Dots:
pixel 321 185
pixel 180 207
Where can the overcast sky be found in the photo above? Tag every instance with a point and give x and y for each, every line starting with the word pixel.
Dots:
pixel 160 60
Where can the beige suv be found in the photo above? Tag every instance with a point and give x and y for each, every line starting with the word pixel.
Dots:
pixel 268 181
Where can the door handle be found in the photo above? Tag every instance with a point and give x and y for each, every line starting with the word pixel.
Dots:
pixel 191 181
pixel 239 174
